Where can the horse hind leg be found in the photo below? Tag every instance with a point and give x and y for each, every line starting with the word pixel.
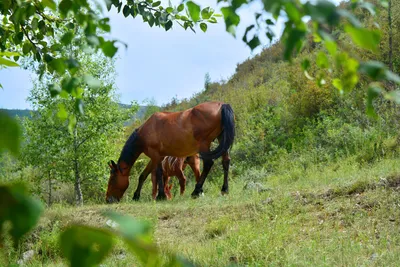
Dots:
pixel 207 164
pixel 225 165
pixel 161 190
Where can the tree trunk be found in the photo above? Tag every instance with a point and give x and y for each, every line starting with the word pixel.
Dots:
pixel 49 192
pixel 390 35
pixel 78 190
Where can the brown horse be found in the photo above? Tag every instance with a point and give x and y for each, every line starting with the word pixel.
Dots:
pixel 178 134
pixel 173 166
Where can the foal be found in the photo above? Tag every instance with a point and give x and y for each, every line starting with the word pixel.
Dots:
pixel 174 166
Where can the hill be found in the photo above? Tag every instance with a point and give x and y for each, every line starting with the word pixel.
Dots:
pixel 26 112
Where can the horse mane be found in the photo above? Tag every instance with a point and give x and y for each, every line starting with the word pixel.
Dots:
pixel 130 148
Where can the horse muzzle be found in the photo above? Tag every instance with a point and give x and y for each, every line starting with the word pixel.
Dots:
pixel 111 200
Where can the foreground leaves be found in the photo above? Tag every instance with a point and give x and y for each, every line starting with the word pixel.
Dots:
pixel 20 209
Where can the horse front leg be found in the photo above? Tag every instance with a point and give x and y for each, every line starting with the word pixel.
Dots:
pixel 225 165
pixel 142 178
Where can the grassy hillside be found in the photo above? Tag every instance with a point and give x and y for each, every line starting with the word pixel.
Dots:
pixel 343 214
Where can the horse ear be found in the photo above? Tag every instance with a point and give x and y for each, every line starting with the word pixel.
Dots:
pixel 114 165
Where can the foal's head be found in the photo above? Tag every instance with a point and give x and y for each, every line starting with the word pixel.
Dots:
pixel 117 184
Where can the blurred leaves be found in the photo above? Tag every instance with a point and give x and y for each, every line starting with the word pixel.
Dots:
pixel 19 208
pixel 85 246
pixel 10 134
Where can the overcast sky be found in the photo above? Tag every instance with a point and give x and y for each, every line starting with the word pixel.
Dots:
pixel 156 64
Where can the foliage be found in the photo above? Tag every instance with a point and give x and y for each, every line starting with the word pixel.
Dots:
pixel 20 209
pixel 74 148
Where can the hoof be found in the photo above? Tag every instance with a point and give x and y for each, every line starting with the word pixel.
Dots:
pixel 161 197
pixel 224 193
pixel 136 198
pixel 197 194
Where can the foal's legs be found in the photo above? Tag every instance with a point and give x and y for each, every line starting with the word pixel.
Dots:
pixel 225 165
pixel 167 187
pixel 207 164
pixel 182 181
pixel 194 163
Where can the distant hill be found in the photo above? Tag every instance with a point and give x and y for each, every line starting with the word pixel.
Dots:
pixel 18 112
pixel 27 112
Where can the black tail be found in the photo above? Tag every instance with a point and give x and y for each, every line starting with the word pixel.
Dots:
pixel 226 137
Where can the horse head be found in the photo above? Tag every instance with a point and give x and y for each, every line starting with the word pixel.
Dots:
pixel 117 183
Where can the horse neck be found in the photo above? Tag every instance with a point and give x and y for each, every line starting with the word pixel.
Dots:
pixel 127 166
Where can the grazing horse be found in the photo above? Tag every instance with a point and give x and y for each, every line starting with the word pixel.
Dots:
pixel 178 134
pixel 173 166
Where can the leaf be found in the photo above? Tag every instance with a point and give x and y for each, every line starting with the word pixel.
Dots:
pixel 67 38
pixel 18 207
pixel 54 89
pixel 8 63
pixel 109 48
pixel 194 10
pixel 269 22
pixel 137 236
pixel 393 96
pixel 169 10
pixel 85 246
pixel 205 13
pixel 322 60
pixel 331 46
pixel 378 71
pixel 50 4
pixel 58 64
pixel 305 64
pixel 368 39
pixel 231 19
pixel 126 11
pixel 253 43
pixel 373 92
pixel 71 123
pixel 181 7
pixel 156 4
pixel 10 134
pixel 322 12
pixel 79 106
pixel 293 42
pixel 203 27
pixel 168 25
pixel 62 112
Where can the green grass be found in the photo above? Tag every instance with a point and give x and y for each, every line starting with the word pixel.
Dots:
pixel 335 215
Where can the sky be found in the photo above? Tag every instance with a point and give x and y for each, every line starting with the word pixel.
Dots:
pixel 157 65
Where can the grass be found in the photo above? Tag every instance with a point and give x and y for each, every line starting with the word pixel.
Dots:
pixel 335 215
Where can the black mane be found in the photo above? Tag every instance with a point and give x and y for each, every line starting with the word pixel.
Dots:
pixel 130 148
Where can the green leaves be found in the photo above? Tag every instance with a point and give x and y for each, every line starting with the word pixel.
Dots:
pixel 21 210
pixel 231 19
pixel 368 39
pixel 7 62
pixel 10 134
pixel 194 10
pixel 203 27
pixel 377 71
pixel 293 41
pixel 109 49
pixel 373 92
pixel 85 246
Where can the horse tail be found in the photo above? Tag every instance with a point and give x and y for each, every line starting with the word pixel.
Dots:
pixel 227 135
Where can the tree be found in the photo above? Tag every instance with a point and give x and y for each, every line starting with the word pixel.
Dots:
pixel 76 152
